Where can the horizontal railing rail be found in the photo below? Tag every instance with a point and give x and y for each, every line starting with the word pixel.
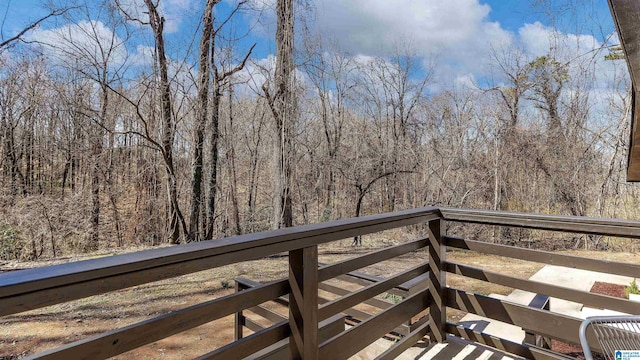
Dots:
pixel 573 224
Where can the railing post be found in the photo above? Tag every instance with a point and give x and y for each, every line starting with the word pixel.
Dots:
pixel 303 303
pixel 437 280
pixel 238 318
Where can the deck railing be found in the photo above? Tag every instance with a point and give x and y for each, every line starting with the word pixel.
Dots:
pixel 547 323
pixel 314 328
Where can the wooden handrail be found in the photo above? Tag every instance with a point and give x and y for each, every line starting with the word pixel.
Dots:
pixel 573 224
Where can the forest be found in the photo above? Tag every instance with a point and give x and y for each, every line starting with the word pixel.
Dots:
pixel 102 147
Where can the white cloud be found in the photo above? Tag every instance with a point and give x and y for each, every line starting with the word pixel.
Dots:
pixel 258 72
pixel 143 56
pixel 467 81
pixel 365 25
pixel 84 43
pixel 90 42
pixel 458 31
pixel 174 12
pixel 541 40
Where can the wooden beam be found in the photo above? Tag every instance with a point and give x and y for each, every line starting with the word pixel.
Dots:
pixel 34 288
pixel 356 297
pixel 348 265
pixel 327 329
pixel 360 336
pixel 582 297
pixel 303 303
pixel 437 281
pixel 378 303
pixel 554 325
pixel 546 257
pixel 571 224
pixel 526 351
pixel 118 341
pixel 251 344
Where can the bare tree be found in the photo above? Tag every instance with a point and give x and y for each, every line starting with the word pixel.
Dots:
pixel 282 108
pixel 331 73
pixel 204 79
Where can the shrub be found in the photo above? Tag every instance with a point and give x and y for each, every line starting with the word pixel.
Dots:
pixel 632 288
pixel 392 297
pixel 10 243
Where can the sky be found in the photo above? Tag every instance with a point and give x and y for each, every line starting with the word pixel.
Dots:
pixel 458 33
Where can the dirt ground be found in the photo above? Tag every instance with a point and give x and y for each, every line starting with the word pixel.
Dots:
pixel 35 331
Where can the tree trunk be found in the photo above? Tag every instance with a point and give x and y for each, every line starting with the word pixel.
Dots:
pixel 231 156
pixel 201 120
pixel 213 178
pixel 175 215
pixel 96 149
pixel 282 108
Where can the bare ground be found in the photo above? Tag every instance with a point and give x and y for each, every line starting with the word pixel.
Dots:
pixel 35 331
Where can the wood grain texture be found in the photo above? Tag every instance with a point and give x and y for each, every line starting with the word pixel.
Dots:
pixel 437 281
pixel 360 336
pixel 546 257
pixel 583 297
pixel 303 303
pixel 572 224
pixel 130 337
pixel 553 325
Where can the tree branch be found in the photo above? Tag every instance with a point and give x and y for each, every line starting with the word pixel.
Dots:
pixel 56 12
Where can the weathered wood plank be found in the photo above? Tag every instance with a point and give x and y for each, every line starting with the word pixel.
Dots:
pixel 356 297
pixel 250 344
pixel 130 337
pixel 583 297
pixel 605 266
pixel 348 265
pixel 358 337
pixel 554 325
pixel 573 224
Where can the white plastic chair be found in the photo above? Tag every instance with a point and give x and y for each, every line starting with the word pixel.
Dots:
pixel 613 333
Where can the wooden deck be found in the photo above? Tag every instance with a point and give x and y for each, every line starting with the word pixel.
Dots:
pixel 457 349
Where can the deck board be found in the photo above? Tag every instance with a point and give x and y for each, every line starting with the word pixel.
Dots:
pixel 457 349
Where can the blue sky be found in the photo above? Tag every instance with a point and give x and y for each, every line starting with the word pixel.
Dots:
pixel 458 32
